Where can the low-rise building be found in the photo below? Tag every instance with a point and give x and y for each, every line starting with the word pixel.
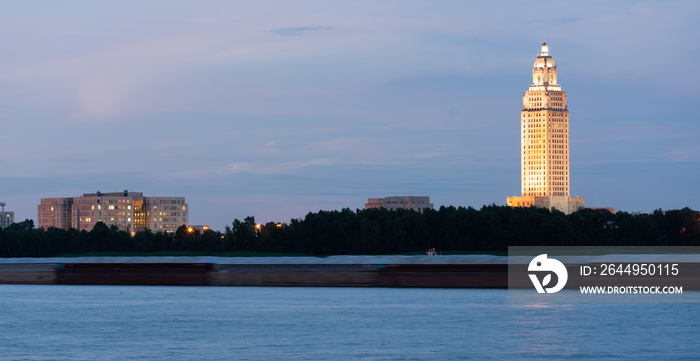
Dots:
pixel 418 204
pixel 609 209
pixel 6 217
pixel 201 228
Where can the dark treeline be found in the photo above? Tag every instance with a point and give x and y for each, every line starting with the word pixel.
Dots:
pixel 375 231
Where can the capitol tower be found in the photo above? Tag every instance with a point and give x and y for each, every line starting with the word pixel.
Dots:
pixel 544 142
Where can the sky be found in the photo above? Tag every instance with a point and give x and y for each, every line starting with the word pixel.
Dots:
pixel 275 109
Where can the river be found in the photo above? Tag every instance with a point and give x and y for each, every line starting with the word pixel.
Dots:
pixel 256 323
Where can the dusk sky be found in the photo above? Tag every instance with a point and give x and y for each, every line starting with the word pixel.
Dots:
pixel 274 109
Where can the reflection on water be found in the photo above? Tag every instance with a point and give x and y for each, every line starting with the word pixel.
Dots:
pixel 530 296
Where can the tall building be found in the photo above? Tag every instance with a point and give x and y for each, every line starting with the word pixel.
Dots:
pixel 418 204
pixel 544 139
pixel 129 211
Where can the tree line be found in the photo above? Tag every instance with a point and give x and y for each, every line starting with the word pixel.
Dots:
pixel 375 231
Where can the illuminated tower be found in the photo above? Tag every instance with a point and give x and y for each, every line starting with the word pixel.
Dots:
pixel 544 142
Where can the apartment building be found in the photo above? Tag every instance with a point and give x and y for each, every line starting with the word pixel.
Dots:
pixel 129 211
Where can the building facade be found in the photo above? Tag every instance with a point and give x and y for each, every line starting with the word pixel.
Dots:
pixel 418 204
pixel 544 139
pixel 6 217
pixel 129 211
pixel 55 212
pixel 165 214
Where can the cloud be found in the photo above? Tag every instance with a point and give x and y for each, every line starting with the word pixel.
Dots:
pixel 280 168
pixel 167 144
pixel 560 20
pixel 113 81
pixel 258 168
pixel 688 154
pixel 343 145
pixel 394 95
pixel 191 20
pixel 297 31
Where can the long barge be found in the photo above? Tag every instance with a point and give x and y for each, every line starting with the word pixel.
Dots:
pixel 475 271
pixel 340 271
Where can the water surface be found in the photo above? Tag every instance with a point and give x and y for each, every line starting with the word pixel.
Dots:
pixel 252 323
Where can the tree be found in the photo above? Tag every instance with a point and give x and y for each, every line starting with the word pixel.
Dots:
pixel 26 225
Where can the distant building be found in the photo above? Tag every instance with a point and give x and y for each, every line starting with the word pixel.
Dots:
pixel 544 141
pixel 6 217
pixel 201 228
pixel 418 204
pixel 609 209
pixel 129 211
pixel 165 213
pixel 54 212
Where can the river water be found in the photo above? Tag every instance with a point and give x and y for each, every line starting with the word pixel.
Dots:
pixel 252 323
